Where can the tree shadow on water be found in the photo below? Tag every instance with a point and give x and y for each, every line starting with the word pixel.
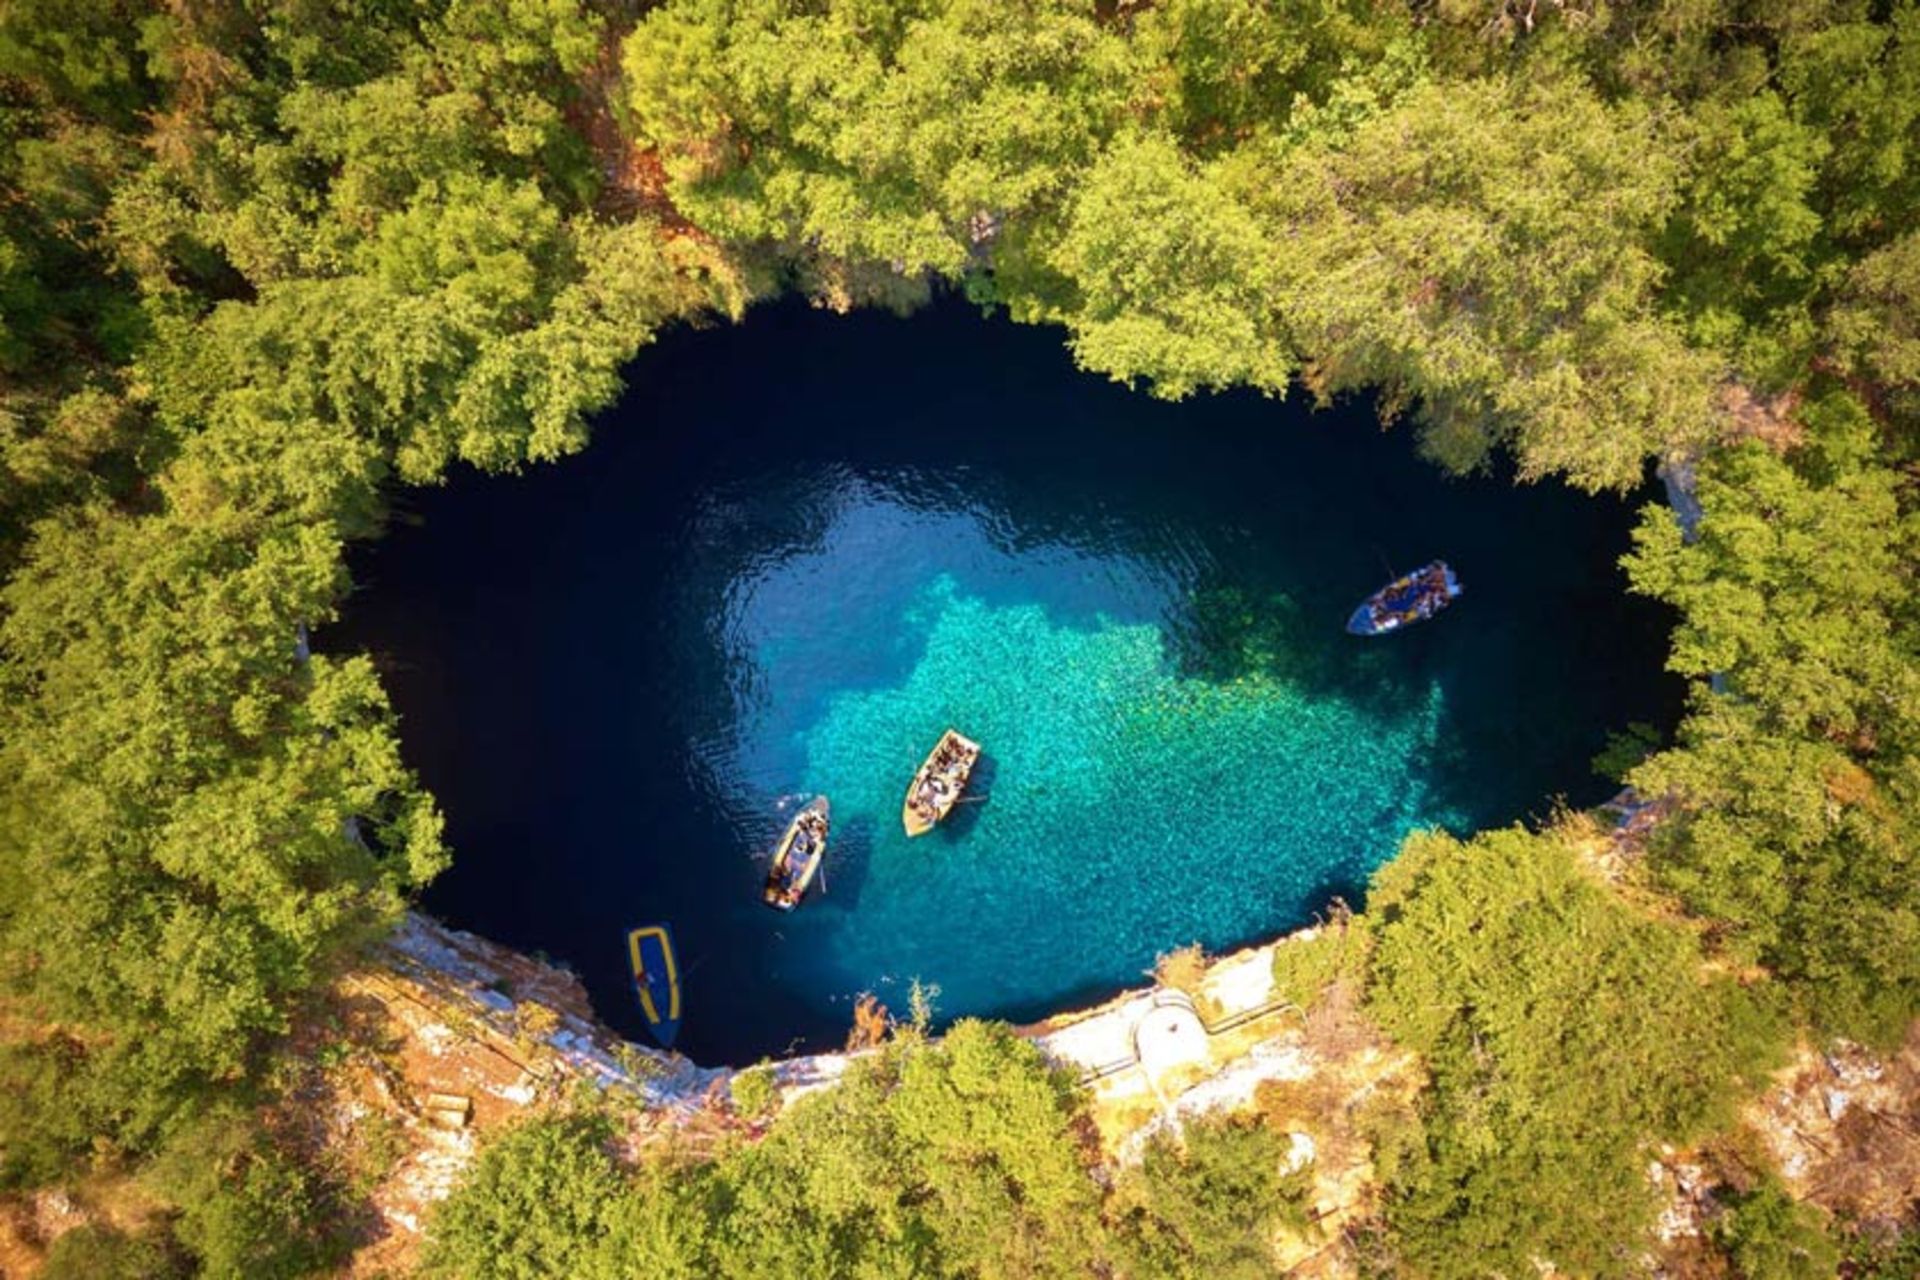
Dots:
pixel 849 857
pixel 1231 634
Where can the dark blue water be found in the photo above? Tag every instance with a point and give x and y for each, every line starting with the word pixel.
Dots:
pixel 801 547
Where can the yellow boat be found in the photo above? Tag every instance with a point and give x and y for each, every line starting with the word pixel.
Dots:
pixel 657 979
pixel 937 787
pixel 798 857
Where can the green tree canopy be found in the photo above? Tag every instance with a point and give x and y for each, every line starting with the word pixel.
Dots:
pixel 903 134
pixel 1167 277
pixel 1206 1204
pixel 1799 775
pixel 1480 252
pixel 1565 1032
pixel 308 261
pixel 957 1158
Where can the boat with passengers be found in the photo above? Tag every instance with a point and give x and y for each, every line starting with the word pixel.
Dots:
pixel 937 787
pixel 1406 600
pixel 797 858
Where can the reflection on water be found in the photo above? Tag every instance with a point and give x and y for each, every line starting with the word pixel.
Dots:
pixel 621 675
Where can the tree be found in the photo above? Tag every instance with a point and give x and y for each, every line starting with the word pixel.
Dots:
pixel 987 1125
pixel 1565 1034
pixel 1875 324
pixel 79 57
pixel 1167 276
pixel 1207 1203
pixel 351 257
pixel 955 1158
pixel 1217 71
pixel 259 263
pixel 1768 1236
pixel 1478 251
pixel 895 134
pixel 1745 241
pixel 245 1207
pixel 1799 778
pixel 1857 82
pixel 539 1202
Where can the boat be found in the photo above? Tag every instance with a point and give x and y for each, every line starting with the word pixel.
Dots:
pixel 657 978
pixel 1404 601
pixel 937 787
pixel 798 856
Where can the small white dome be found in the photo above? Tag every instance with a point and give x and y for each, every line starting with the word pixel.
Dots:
pixel 1168 1036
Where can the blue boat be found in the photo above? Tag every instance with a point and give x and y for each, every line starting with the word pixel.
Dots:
pixel 657 978
pixel 1405 601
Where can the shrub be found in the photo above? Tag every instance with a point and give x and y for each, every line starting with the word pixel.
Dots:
pixel 1874 1255
pixel 1767 1235
pixel 100 1253
pixel 1182 969
pixel 1206 1204
pixel 755 1094
pixel 1564 1032
pixel 540 1201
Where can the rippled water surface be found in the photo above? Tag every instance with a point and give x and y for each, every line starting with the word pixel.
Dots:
pixel 800 548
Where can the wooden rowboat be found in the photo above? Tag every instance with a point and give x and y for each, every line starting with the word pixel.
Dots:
pixel 937 787
pixel 657 980
pixel 797 857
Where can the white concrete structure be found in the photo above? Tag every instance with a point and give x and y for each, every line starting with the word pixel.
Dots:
pixel 1169 1035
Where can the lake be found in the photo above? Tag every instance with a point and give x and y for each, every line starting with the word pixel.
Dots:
pixel 802 546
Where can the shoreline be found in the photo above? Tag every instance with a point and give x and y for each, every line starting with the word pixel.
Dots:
pixel 492 986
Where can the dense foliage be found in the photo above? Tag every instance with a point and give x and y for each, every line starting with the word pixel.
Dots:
pixel 1565 1032
pixel 262 260
pixel 1205 1205
pixel 321 263
pixel 1769 1237
pixel 956 1158
pixel 1801 772
pixel 950 1159
pixel 1478 250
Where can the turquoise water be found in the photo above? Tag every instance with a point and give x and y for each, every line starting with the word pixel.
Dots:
pixel 802 548
pixel 1121 799
pixel 1126 801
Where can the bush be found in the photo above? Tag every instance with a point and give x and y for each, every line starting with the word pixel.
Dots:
pixel 539 1202
pixel 246 1209
pixel 1304 968
pixel 755 1094
pixel 1182 969
pixel 1880 1256
pixel 1206 1204
pixel 101 1253
pixel 1768 1235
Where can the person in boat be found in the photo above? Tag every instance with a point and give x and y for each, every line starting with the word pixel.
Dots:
pixel 928 799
